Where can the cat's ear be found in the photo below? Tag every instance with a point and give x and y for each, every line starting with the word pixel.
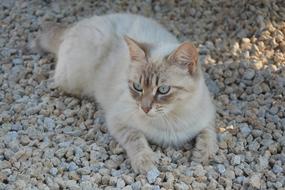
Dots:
pixel 137 53
pixel 186 57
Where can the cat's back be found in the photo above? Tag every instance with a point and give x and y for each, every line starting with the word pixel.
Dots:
pixel 141 28
pixel 100 30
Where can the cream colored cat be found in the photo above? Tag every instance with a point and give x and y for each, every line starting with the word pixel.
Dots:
pixel 149 85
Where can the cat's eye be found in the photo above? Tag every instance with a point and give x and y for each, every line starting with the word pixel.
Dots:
pixel 137 87
pixel 164 89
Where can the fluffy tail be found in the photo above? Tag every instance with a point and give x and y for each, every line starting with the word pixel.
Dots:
pixel 50 38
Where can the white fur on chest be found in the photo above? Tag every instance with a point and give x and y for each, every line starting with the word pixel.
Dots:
pixel 174 130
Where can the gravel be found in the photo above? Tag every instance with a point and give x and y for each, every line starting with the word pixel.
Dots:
pixel 51 140
pixel 152 175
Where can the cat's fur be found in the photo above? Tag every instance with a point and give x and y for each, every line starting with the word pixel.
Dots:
pixel 103 56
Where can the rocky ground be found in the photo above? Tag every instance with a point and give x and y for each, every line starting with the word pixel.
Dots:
pixel 50 140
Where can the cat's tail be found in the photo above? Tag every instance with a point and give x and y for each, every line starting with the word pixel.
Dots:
pixel 50 38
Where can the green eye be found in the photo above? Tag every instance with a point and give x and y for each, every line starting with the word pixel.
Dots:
pixel 137 87
pixel 164 89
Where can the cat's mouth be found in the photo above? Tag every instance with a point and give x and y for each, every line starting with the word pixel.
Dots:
pixel 150 114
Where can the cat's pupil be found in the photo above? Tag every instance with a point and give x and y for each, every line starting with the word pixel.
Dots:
pixel 137 87
pixel 163 89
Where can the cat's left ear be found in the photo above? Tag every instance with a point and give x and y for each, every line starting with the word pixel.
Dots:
pixel 186 57
pixel 137 53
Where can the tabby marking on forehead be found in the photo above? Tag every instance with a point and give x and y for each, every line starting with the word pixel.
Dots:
pixel 150 75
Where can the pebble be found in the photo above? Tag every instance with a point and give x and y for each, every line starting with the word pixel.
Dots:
pixel 199 171
pixel 10 136
pixel 86 185
pixel 53 171
pixel 120 183
pixel 236 160
pixel 263 162
pixel 17 61
pixel 4 164
pixel 152 175
pixel 249 74
pixel 136 185
pixel 277 169
pixel 49 123
pixel 255 181
pixel 72 166
pixel 16 127
pixel 72 184
pixel 181 186
pixel 245 130
pixel 240 179
pixel 221 168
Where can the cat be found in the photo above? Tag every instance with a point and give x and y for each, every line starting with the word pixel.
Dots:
pixel 150 86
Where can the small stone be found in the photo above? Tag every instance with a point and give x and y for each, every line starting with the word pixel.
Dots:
pixel 86 185
pixel 197 185
pixel 277 169
pixel 116 173
pixel 128 179
pixel 96 178
pixel 199 171
pixel 236 160
pixel 16 127
pixel 17 61
pixel 78 152
pixel 278 185
pixel 230 174
pixel 53 171
pixel 128 187
pixel 4 164
pixel 49 123
pixel 254 181
pixel 84 171
pixel 10 136
pixel 254 146
pixel 105 180
pixel 245 130
pixel 221 168
pixel 60 152
pixel 113 181
pixel 137 185
pixel 213 87
pixel 240 179
pixel 20 184
pixel 181 186
pixel 65 144
pixel 152 175
pixel 120 183
pixel 155 187
pixel 24 140
pixel 249 74
pixel 263 162
pixel 73 175
pixel 100 120
pixel 72 184
pixel 72 167
pixel 146 187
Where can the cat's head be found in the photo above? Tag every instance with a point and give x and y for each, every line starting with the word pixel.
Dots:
pixel 161 81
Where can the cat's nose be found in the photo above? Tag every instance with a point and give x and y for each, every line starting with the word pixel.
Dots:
pixel 146 109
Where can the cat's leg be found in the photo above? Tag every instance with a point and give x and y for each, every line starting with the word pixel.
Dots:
pixel 206 145
pixel 134 142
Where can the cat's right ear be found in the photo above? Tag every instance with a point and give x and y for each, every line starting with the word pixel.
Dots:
pixel 136 51
pixel 186 57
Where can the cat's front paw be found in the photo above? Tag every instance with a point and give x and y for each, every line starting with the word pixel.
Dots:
pixel 144 161
pixel 205 148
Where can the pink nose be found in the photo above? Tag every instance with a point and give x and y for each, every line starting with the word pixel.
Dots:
pixel 146 109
